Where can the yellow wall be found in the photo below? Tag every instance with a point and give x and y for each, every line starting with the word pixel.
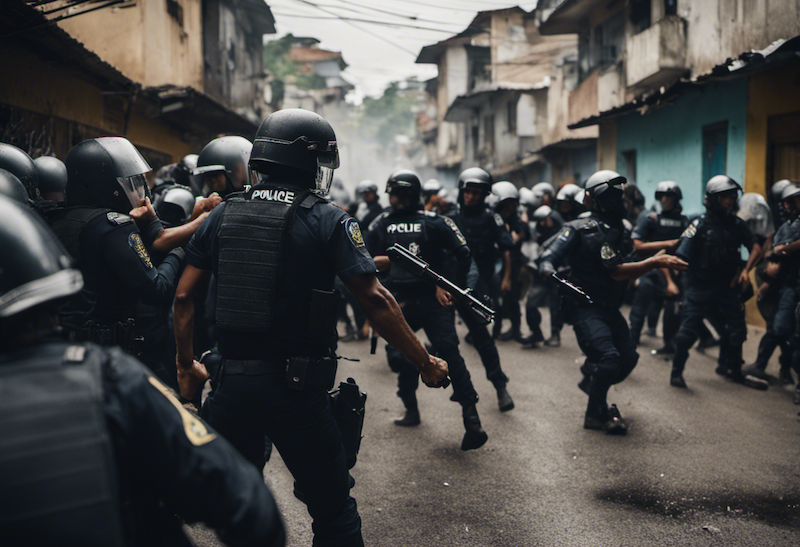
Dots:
pixel 64 94
pixel 771 93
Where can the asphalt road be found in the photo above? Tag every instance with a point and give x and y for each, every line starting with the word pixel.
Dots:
pixel 717 464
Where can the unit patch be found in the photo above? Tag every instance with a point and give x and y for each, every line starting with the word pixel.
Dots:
pixel 606 252
pixel 450 222
pixel 196 431
pixel 136 243
pixel 499 220
pixel 118 219
pixel 354 232
pixel 414 247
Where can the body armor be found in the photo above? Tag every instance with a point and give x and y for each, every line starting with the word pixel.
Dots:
pixel 718 256
pixel 599 242
pixel 669 226
pixel 253 295
pixel 57 472
pixel 68 225
pixel 409 230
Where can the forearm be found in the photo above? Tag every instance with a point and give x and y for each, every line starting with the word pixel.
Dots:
pixel 171 238
pixel 507 264
pixel 653 246
pixel 382 263
pixel 631 270
pixel 755 256
pixel 183 319
pixel 161 290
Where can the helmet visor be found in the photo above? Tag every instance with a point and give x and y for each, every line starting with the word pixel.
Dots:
pixel 324 178
pixel 134 187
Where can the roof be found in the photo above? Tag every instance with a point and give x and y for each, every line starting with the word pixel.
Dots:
pixel 462 107
pixel 430 54
pixel 568 16
pixel 259 15
pixel 748 63
pixel 312 54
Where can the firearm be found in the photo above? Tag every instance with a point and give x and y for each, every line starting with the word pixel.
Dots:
pixel 573 290
pixel 420 268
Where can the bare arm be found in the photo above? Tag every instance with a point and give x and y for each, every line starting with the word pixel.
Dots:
pixel 171 238
pixel 191 374
pixel 655 246
pixel 632 270
pixel 386 317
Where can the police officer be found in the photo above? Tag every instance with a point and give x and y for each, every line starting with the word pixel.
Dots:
pixel 569 202
pixel 370 208
pixel 175 205
pixel 52 175
pixel 716 280
pixel 781 327
pixel 95 450
pixel 276 250
pixel 430 188
pixel 17 161
pixel 106 180
pixel 222 165
pixel 596 247
pixel 435 239
pixel 11 187
pixel 654 232
pixel 486 237
pixel 544 291
pixel 507 206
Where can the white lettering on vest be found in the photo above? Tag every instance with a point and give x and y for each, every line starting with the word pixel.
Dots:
pixel 284 196
pixel 404 228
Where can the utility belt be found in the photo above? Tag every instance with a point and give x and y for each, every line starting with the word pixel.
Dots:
pixel 122 334
pixel 301 372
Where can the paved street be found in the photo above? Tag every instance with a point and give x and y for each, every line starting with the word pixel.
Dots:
pixel 716 464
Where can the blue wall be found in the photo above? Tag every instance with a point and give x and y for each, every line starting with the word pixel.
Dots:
pixel 669 141
pixel 584 162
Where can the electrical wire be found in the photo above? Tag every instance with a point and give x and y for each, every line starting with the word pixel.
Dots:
pixel 395 14
pixel 359 20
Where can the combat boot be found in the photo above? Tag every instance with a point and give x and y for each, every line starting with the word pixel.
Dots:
pixel 796 399
pixel 504 400
pixel 676 379
pixel 411 418
pixel 554 341
pixel 606 419
pixel 475 436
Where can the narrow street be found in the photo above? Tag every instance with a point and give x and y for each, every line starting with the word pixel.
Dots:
pixel 716 464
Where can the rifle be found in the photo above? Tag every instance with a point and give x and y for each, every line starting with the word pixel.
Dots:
pixel 414 264
pixel 573 290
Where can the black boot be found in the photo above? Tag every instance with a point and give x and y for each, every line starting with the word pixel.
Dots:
pixel 475 437
pixel 411 418
pixel 511 334
pixel 676 379
pixel 796 399
pixel 554 341
pixel 606 419
pixel 504 400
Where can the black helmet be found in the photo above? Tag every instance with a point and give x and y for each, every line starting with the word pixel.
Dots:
pixel 605 189
pixel 229 156
pixel 366 186
pixel 175 205
pixel 34 267
pixel 430 188
pixel 11 187
pixel 407 186
pixel 52 174
pixel 106 172
pixel 474 177
pixel 716 186
pixel 16 161
pixel 298 139
pixel 667 187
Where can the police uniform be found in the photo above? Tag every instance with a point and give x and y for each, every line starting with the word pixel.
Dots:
pixel 433 238
pixel 545 291
pixel 93 445
pixel 711 245
pixel 275 252
pixel 366 213
pixel 652 287
pixel 510 301
pixel 593 247
pixel 486 234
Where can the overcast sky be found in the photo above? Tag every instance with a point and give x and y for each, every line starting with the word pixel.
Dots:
pixel 380 39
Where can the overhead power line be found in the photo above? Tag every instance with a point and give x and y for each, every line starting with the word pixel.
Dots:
pixel 359 20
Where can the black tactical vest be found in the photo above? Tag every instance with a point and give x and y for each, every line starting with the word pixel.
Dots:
pixel 669 226
pixel 409 230
pixel 478 230
pixel 718 253
pixel 599 241
pixel 253 294
pixel 58 483
pixel 68 225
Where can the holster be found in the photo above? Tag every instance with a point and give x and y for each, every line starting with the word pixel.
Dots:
pixel 303 372
pixel 348 406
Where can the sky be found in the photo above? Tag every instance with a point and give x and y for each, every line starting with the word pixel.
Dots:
pixel 380 39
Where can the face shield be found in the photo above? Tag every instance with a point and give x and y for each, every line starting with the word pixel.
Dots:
pixel 134 187
pixel 327 160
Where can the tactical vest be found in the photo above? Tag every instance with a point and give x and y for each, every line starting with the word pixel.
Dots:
pixel 58 482
pixel 253 294
pixel 478 231
pixel 718 254
pixel 68 225
pixel 588 269
pixel 409 230
pixel 669 227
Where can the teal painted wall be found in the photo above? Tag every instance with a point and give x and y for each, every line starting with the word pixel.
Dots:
pixel 669 141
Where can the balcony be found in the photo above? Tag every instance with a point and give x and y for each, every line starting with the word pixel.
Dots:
pixel 656 55
pixel 599 92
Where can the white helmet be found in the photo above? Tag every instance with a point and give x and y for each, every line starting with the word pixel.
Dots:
pixel 504 190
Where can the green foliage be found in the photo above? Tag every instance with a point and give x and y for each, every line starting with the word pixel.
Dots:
pixel 286 71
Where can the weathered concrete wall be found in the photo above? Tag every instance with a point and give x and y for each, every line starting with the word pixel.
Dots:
pixel 669 141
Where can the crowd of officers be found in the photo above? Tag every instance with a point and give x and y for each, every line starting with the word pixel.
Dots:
pixel 123 304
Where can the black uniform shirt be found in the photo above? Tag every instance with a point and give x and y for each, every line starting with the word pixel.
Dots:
pixel 486 234
pixel 789 232
pixel 660 227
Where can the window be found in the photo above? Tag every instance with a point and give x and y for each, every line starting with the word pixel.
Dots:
pixel 715 151
pixel 511 115
pixel 640 15
pixel 670 7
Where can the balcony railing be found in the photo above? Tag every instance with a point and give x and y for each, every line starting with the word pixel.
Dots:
pixel 656 54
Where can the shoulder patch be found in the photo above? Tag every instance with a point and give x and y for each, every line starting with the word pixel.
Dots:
pixel 354 232
pixel 196 431
pixel 498 219
pixel 606 252
pixel 451 223
pixel 118 219
pixel 136 243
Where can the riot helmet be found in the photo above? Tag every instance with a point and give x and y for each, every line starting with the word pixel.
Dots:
pixel 184 174
pixel 507 197
pixel 226 157
pixel 718 188
pixel 544 192
pixel 541 213
pixel 52 177
pixel 778 188
pixel 527 197
pixel 790 192
pixel 430 188
pixel 11 187
pixel 755 211
pixel 605 188
pixel 407 187
pixel 367 186
pixel 301 141
pixel 17 161
pixel 175 205
pixel 569 199
pixel 667 188
pixel 476 178
pixel 106 172
pixel 34 267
